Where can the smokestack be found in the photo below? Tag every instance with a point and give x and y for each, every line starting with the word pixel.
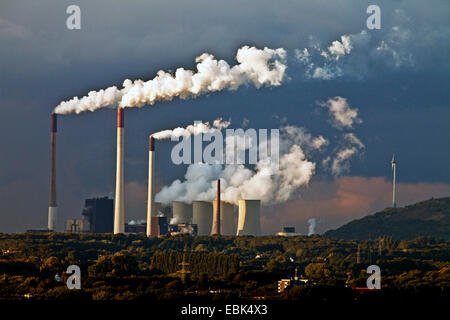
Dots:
pixel 216 220
pixel 151 195
pixel 119 215
pixel 52 207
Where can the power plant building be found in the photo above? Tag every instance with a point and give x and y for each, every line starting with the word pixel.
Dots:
pixel 76 226
pixel 249 218
pixel 99 214
pixel 159 226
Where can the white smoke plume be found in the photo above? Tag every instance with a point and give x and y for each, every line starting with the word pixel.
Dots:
pixel 239 182
pixel 196 128
pixel 311 226
pixel 257 66
pixel 342 116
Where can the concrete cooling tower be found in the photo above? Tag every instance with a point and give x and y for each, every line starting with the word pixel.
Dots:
pixel 227 224
pixel 202 216
pixel 182 212
pixel 249 218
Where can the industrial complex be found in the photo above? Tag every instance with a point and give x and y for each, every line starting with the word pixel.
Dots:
pixel 104 215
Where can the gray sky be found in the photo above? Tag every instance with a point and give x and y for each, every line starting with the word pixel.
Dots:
pixel 397 77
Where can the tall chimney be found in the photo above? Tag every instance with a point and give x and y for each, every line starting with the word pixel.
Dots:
pixel 216 225
pixel 52 207
pixel 119 215
pixel 151 173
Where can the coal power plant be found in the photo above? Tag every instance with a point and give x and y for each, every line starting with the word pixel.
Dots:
pixel 103 215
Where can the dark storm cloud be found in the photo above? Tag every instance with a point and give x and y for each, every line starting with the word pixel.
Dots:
pixel 405 110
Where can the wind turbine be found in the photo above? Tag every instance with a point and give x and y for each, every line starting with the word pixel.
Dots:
pixel 394 196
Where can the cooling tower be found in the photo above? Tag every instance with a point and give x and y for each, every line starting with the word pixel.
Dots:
pixel 119 208
pixel 227 224
pixel 202 216
pixel 52 206
pixel 151 196
pixel 249 220
pixel 182 212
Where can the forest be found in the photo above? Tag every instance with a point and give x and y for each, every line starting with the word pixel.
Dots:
pixel 135 267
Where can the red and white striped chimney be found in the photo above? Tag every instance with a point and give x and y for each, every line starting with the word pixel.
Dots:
pixel 52 206
pixel 216 218
pixel 119 208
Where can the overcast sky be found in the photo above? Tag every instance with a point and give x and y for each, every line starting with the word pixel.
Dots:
pixel 397 77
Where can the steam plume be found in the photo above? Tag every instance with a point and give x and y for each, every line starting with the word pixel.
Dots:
pixel 239 182
pixel 260 67
pixel 197 128
pixel 311 226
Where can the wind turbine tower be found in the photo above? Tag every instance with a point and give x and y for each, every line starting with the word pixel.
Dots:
pixel 394 191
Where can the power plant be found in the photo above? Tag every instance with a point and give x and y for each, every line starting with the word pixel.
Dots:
pixel 52 206
pixel 119 206
pixel 198 217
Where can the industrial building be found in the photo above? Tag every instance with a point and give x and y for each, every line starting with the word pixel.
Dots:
pixel 135 226
pixel 76 226
pixel 99 214
pixel 103 215
pixel 159 226
pixel 288 232
pixel 183 228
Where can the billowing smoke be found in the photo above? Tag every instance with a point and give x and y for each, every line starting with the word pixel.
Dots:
pixel 256 66
pixel 239 182
pixel 311 226
pixel 299 152
pixel 196 128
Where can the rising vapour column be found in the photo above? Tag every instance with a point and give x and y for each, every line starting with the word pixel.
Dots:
pixel 119 215
pixel 52 207
pixel 151 173
pixel 216 218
